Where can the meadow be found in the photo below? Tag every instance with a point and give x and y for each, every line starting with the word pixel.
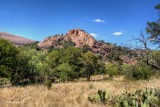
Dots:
pixel 70 94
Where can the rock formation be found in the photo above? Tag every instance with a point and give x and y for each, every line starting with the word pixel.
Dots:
pixel 77 36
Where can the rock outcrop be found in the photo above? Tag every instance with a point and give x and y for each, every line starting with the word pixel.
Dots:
pixel 77 36
pixel 80 38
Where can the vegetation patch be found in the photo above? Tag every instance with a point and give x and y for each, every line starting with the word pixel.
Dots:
pixel 148 97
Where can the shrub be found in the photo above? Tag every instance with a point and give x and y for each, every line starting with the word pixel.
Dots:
pixel 66 72
pixel 112 69
pixel 139 72
pixel 4 81
pixel 48 83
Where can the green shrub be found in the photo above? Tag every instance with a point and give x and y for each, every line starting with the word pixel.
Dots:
pixel 139 72
pixel 112 69
pixel 66 72
pixel 4 81
pixel 48 83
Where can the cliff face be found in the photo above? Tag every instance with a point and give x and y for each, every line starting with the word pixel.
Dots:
pixel 79 37
pixel 17 40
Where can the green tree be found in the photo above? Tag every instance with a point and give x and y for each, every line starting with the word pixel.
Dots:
pixel 28 68
pixel 85 48
pixel 71 55
pixel 89 64
pixel 8 53
pixel 112 69
pixel 153 28
pixel 70 58
pixel 33 45
pixel 66 72
pixel 68 43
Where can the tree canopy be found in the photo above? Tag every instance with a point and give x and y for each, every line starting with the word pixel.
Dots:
pixel 153 28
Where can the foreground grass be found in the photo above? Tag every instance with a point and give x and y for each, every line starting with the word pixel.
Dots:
pixel 73 94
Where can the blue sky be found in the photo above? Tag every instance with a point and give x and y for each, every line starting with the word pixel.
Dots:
pixel 113 21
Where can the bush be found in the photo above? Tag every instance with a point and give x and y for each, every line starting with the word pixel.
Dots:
pixel 112 69
pixel 139 72
pixel 48 83
pixel 4 81
pixel 66 72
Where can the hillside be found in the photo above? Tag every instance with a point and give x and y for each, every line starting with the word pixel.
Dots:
pixel 17 40
pixel 79 37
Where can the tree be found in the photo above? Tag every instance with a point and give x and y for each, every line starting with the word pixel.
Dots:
pixel 112 69
pixel 89 64
pixel 8 53
pixel 33 45
pixel 66 72
pixel 153 28
pixel 65 63
pixel 71 55
pixel 145 54
pixel 85 48
pixel 68 43
pixel 29 66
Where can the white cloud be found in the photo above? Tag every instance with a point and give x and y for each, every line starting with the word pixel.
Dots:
pixel 98 21
pixel 117 33
pixel 94 35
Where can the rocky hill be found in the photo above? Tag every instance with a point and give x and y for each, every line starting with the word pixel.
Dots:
pixel 17 40
pixel 77 36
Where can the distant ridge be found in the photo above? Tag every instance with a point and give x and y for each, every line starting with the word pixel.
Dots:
pixel 17 40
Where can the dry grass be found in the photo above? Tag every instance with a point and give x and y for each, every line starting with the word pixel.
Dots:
pixel 73 94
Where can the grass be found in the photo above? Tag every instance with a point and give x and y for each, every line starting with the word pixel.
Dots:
pixel 72 94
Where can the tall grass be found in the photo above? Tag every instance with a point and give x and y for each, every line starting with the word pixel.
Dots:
pixel 73 94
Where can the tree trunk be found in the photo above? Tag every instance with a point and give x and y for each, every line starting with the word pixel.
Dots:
pixel 88 77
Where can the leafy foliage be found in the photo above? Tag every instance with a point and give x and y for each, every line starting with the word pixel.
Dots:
pixel 8 53
pixel 90 64
pixel 66 72
pixel 112 69
pixel 139 72
pixel 68 43
pixel 27 67
pixel 153 28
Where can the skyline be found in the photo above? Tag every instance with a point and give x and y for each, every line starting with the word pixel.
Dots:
pixel 112 21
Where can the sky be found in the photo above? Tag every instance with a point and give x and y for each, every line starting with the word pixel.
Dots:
pixel 114 21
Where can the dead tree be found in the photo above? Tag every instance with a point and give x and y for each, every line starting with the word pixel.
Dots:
pixel 145 51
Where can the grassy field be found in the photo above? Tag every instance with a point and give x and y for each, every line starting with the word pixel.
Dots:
pixel 72 94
